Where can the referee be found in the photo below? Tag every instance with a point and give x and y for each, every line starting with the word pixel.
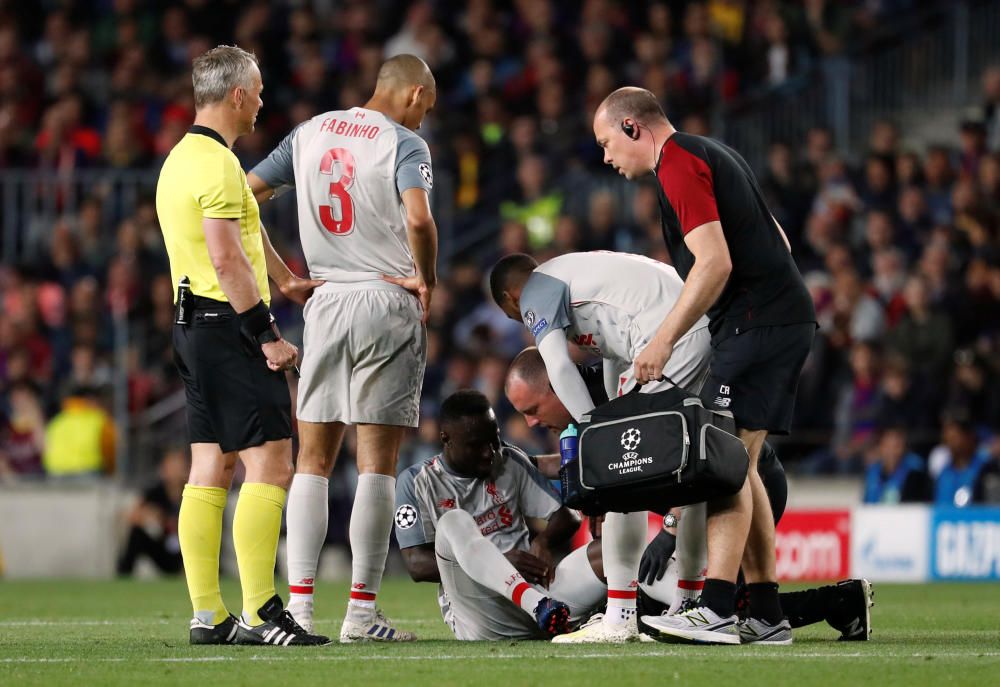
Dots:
pixel 230 355
pixel 737 268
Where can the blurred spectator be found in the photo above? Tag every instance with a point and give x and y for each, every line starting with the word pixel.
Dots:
pixel 855 416
pixel 987 488
pixel 991 105
pixel 972 145
pixel 781 56
pixel 907 405
pixel 22 434
pixel 152 521
pixel 957 462
pixel 972 386
pixel 895 474
pixel 536 204
pixel 80 439
pixel 923 335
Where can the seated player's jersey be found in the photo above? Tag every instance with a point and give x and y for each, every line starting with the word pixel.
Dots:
pixel 499 505
pixel 350 168
pixel 609 303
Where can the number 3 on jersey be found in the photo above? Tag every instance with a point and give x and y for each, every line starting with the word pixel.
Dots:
pixel 338 216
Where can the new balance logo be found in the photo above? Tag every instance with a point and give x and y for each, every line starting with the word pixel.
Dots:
pixel 697 618
pixel 854 628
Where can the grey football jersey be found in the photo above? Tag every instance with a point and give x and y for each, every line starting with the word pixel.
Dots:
pixel 499 506
pixel 609 303
pixel 349 168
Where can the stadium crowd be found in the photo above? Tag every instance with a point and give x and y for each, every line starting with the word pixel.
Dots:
pixel 897 242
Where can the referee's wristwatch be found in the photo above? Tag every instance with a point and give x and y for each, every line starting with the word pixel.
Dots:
pixel 669 521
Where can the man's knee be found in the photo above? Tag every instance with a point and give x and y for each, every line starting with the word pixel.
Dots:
pixel 270 463
pixel 457 523
pixel 453 527
pixel 312 462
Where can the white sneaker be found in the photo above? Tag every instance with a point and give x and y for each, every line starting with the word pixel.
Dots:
pixel 597 631
pixel 377 628
pixel 695 625
pixel 302 611
pixel 755 631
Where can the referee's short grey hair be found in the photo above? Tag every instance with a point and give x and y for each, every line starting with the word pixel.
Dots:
pixel 220 70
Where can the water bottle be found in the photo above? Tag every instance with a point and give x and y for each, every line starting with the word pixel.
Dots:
pixel 568 450
pixel 568 444
pixel 184 301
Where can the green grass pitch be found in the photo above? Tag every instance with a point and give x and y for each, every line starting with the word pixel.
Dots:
pixel 135 633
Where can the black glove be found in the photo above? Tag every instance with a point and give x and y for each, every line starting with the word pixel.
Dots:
pixel 656 557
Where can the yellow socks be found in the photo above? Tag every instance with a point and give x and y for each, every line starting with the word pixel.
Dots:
pixel 199 528
pixel 256 527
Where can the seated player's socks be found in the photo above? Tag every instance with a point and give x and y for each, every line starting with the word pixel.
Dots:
pixel 307 516
pixel 199 528
pixel 523 594
pixel 256 527
pixel 371 523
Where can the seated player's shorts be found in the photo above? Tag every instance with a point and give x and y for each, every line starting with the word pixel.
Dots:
pixel 363 356
pixel 233 398
pixel 755 374
pixel 476 613
pixel 688 365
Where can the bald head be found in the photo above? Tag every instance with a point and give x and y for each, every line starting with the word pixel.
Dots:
pixel 529 368
pixel 631 128
pixel 631 103
pixel 404 71
pixel 528 390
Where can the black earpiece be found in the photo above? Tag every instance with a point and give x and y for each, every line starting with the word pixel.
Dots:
pixel 630 130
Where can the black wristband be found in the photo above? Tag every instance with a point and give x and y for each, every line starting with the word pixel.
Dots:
pixel 257 324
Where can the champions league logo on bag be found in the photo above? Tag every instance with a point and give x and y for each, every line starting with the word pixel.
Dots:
pixel 630 462
pixel 631 438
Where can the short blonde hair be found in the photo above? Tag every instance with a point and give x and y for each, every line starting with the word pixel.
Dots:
pixel 220 70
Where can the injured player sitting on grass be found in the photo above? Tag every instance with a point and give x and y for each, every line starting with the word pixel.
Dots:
pixel 464 519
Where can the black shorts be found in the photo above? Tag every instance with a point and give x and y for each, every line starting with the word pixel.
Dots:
pixel 233 398
pixel 755 375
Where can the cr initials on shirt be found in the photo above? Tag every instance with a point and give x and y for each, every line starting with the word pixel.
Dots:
pixel 584 340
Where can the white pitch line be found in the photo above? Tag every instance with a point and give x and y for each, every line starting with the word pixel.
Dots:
pixel 782 654
pixel 159 621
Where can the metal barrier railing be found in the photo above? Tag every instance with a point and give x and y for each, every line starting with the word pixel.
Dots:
pixel 931 66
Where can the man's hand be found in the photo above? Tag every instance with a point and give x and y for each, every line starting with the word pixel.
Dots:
pixel 650 362
pixel 298 290
pixel 540 549
pixel 418 288
pixel 280 355
pixel 531 567
pixel 656 557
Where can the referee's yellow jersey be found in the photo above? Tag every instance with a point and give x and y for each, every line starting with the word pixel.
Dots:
pixel 202 178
